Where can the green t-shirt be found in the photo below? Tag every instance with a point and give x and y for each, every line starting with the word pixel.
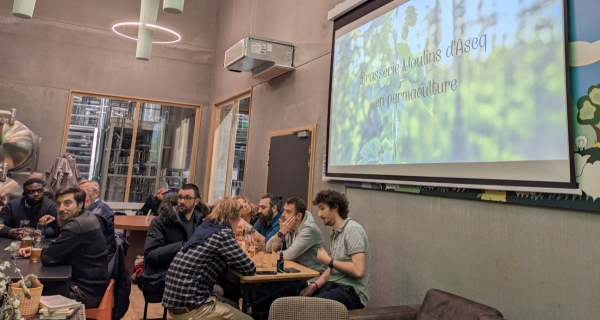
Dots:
pixel 348 239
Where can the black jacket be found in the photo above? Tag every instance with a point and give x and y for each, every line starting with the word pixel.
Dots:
pixel 165 237
pixel 151 205
pixel 15 211
pixel 106 217
pixel 119 272
pixel 81 244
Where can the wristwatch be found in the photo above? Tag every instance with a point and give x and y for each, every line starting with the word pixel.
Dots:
pixel 311 282
pixel 331 264
pixel 279 234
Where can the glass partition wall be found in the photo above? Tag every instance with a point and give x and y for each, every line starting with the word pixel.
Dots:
pixel 132 147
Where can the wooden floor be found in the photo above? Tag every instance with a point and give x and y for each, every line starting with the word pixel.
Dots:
pixel 136 306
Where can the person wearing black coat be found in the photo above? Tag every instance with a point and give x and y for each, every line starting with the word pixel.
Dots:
pixel 103 213
pixel 166 235
pixel 153 202
pixel 80 244
pixel 32 206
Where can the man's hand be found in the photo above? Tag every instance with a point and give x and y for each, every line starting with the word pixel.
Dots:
pixel 308 291
pixel 15 233
pixel 47 219
pixel 25 252
pixel 244 225
pixel 323 256
pixel 286 226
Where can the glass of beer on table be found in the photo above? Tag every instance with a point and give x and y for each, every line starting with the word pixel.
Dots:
pixel 36 250
pixel 27 238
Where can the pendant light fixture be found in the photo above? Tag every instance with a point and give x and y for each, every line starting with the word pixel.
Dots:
pixel 24 8
pixel 173 6
pixel 148 14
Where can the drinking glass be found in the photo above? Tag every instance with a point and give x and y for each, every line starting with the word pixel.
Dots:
pixel 259 257
pixel 27 238
pixel 36 250
pixel 24 224
pixel 275 253
pixel 1 223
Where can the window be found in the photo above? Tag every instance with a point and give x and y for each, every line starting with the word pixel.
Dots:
pixel 228 144
pixel 132 147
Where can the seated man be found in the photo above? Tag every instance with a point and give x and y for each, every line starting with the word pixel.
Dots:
pixel 32 206
pixel 167 234
pixel 103 213
pixel 300 234
pixel 153 202
pixel 269 215
pixel 347 278
pixel 193 272
pixel 80 244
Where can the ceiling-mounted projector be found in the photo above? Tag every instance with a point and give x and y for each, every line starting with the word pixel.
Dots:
pixel 265 58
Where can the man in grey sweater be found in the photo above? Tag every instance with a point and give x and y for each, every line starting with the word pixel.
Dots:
pixel 302 240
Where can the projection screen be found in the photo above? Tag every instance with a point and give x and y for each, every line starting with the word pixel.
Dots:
pixel 466 93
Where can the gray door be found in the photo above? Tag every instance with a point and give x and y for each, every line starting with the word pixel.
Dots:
pixel 289 166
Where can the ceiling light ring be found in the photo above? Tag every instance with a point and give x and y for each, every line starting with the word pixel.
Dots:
pixel 114 28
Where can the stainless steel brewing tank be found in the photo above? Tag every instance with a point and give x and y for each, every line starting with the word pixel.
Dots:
pixel 17 145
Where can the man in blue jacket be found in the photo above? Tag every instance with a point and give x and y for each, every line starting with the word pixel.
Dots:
pixel 32 206
pixel 269 214
pixel 103 213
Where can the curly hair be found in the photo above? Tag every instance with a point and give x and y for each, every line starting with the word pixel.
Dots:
pixel 334 200
pixel 253 207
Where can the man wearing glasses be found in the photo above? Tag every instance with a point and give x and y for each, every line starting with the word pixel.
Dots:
pixel 168 232
pixel 32 206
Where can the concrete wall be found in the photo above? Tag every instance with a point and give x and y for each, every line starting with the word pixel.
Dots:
pixel 69 45
pixel 529 262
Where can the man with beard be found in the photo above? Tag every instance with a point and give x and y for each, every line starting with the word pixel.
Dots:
pixel 168 232
pixel 81 245
pixel 32 206
pixel 269 215
pixel 347 278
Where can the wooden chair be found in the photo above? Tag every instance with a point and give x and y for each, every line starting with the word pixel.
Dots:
pixel 105 309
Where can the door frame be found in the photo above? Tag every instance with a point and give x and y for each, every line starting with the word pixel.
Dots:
pixel 233 99
pixel 313 140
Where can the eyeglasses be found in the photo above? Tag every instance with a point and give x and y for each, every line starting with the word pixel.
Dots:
pixel 186 198
pixel 35 191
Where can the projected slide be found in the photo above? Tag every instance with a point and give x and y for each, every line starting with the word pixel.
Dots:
pixel 432 82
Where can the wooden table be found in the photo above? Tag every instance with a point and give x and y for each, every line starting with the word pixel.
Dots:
pixel 137 227
pixel 56 279
pixel 249 282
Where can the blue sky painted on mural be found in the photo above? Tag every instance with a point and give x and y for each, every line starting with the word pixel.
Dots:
pixel 585 28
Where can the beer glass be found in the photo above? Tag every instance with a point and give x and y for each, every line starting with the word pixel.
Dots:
pixel 27 238
pixel 1 223
pixel 24 224
pixel 36 250
pixel 259 257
